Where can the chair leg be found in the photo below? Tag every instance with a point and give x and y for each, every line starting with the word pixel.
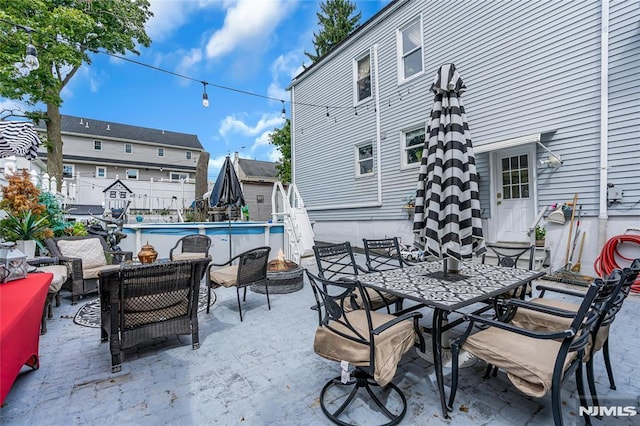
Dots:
pixel 581 393
pixel 592 384
pixel 208 298
pixel 239 305
pixel 454 375
pixel 607 364
pixel 266 287
pixel 244 294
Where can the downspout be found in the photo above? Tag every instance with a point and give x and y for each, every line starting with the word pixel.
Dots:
pixel 378 133
pixel 604 120
pixel 293 134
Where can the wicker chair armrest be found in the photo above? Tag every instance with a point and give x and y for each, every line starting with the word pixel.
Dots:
pixel 74 266
pixel 42 261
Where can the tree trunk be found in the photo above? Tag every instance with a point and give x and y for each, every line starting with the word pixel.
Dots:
pixel 54 143
pixel 202 186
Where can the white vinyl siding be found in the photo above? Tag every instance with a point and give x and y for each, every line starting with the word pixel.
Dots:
pixel 410 52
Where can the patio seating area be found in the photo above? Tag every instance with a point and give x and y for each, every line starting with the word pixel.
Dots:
pixel 264 371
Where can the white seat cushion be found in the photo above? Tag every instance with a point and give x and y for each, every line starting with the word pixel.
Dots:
pixel 60 275
pixel 188 256
pixel 225 277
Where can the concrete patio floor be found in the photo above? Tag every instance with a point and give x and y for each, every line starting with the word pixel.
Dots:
pixel 263 371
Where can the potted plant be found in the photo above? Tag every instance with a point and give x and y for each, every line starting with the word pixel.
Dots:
pixel 25 228
pixel 541 233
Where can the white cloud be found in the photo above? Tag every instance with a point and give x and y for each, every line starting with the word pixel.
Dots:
pixel 247 24
pixel 215 164
pixel 192 58
pixel 232 124
pixel 167 17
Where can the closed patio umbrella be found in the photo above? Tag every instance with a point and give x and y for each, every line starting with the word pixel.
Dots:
pixel 18 138
pixel 227 192
pixel 447 214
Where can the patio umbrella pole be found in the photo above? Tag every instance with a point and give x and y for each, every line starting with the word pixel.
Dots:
pixel 229 218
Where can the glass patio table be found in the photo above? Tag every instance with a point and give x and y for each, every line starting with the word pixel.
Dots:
pixel 427 284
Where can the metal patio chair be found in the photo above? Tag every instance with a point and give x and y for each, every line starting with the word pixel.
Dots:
pixel 372 342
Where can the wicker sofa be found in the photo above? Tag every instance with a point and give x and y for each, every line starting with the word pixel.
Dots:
pixel 142 302
pixel 85 258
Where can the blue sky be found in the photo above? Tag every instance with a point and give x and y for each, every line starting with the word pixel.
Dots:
pixel 251 45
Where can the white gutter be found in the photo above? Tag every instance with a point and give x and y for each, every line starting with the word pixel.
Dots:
pixel 604 121
pixel 378 202
pixel 292 130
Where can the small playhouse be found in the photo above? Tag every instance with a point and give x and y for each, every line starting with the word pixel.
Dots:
pixel 116 198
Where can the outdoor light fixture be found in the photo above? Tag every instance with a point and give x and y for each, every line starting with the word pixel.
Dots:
pixel 551 161
pixel 205 97
pixel 13 263
pixel 284 112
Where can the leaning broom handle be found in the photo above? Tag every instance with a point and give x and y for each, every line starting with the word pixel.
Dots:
pixel 573 214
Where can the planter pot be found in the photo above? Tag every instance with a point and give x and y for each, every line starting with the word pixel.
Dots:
pixel 28 247
pixel 540 243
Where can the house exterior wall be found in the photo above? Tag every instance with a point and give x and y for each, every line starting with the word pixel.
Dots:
pixel 529 68
pixel 258 198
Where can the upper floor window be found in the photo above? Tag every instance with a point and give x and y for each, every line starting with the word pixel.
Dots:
pixel 132 174
pixel 410 50
pixel 67 170
pixel 128 148
pixel 362 78
pixel 364 159
pixel 188 155
pixel 160 152
pixel 97 145
pixel 101 172
pixel 412 146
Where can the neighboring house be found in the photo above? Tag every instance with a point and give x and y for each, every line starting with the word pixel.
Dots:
pixel 158 166
pixel 542 80
pixel 257 179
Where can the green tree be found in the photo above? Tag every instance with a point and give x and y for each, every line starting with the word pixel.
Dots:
pixel 336 21
pixel 64 32
pixel 282 139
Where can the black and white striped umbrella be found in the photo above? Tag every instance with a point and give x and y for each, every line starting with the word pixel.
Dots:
pixel 447 214
pixel 18 138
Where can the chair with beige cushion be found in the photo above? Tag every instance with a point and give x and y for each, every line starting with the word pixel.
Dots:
pixel 367 344
pixel 538 363
pixel 85 258
pixel 240 272
pixel 194 246
pixel 540 321
pixel 337 260
pixel 143 302
pixel 60 276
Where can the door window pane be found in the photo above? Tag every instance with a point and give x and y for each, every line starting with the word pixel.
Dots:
pixel 515 177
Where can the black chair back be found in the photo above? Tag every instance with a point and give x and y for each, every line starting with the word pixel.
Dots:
pixel 508 256
pixel 383 254
pixel 252 266
pixel 335 260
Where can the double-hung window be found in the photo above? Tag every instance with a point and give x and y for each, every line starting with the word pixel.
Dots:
pixel 132 174
pixel 412 145
pixel 67 170
pixel 160 152
pixel 410 58
pixel 128 148
pixel 101 172
pixel 364 159
pixel 362 73
pixel 97 145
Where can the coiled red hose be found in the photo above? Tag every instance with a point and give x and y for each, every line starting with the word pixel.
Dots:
pixel 606 261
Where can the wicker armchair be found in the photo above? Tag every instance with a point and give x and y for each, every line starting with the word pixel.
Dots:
pixel 194 246
pixel 85 258
pixel 142 302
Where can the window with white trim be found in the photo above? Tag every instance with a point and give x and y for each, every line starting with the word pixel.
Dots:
pixel 101 172
pixel 68 170
pixel 410 59
pixel 128 148
pixel 160 152
pixel 188 155
pixel 412 145
pixel 97 145
pixel 132 174
pixel 178 176
pixel 364 159
pixel 362 73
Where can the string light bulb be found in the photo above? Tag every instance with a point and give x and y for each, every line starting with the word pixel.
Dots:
pixel 284 112
pixel 31 58
pixel 205 97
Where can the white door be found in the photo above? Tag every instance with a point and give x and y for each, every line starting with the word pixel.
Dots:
pixel 515 203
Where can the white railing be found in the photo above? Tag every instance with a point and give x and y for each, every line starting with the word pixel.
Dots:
pixel 288 207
